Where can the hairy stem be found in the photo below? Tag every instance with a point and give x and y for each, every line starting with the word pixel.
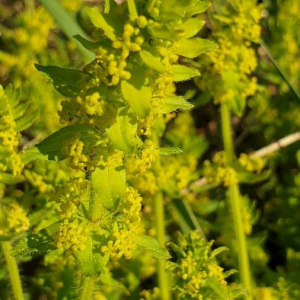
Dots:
pixel 234 200
pixel 160 232
pixel 87 286
pixel 13 271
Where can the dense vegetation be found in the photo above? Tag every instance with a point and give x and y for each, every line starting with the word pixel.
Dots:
pixel 149 149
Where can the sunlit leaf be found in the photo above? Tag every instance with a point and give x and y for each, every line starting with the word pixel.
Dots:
pixel 152 61
pixel 194 47
pixel 173 103
pixel 151 245
pixel 109 186
pixel 181 73
pixel 123 133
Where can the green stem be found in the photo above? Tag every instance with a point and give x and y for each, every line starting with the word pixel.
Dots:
pixel 69 26
pixel 160 233
pixel 87 286
pixel 234 200
pixel 160 230
pixel 13 271
pixel 226 131
pixel 284 77
pixel 150 5
pixel 132 10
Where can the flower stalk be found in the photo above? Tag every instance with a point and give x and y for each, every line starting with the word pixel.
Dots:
pixel 13 271
pixel 87 286
pixel 234 201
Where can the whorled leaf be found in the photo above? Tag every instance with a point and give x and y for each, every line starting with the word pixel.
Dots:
pixel 151 245
pixel 65 80
pixel 109 186
pixel 152 62
pixel 170 151
pixel 123 133
pixel 192 48
pixel 173 103
pixel 181 73
pixel 51 147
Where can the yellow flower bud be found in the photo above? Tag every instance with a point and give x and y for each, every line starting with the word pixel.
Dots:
pixel 142 21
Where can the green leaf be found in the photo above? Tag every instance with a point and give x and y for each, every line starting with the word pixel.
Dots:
pixel 181 73
pixel 123 133
pixel 33 245
pixel 109 186
pixel 137 96
pixel 85 258
pixel 170 151
pixel 198 8
pixel 20 109
pixel 191 27
pixel 173 10
pixel 50 148
pixel 64 80
pixel 194 47
pixel 229 273
pixel 7 178
pixel 101 21
pixel 221 290
pixel 90 263
pixel 151 245
pixel 32 154
pixel 217 251
pixel 252 178
pixel 186 217
pixel 177 249
pixel 237 105
pixel 152 61
pixel 92 46
pixel 26 120
pixel 162 31
pixel 173 103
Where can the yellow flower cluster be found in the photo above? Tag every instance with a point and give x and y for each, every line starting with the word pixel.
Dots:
pixel 37 180
pixel 91 104
pixel 150 295
pixel 123 237
pixel 132 206
pixel 71 236
pixel 78 156
pixel 115 159
pixel 145 124
pixel 72 5
pixel 228 59
pixel 219 172
pixel 163 85
pixel 148 156
pixel 286 48
pixel 122 244
pixel 195 266
pixel 70 195
pixel 146 183
pixel 9 139
pixel 234 60
pixel 251 163
pixel 13 220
